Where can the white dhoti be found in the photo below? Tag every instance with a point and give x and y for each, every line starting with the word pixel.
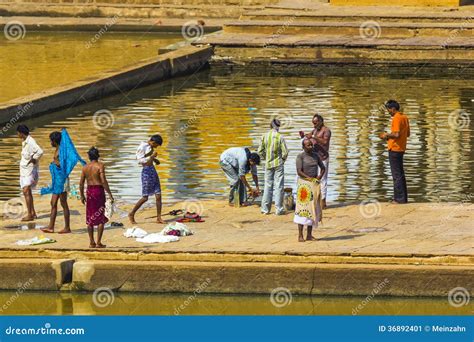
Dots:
pixel 31 179
pixel 324 180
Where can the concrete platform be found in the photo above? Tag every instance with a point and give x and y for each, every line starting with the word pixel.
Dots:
pixel 422 249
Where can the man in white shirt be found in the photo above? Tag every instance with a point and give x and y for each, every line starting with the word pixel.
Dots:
pixel 146 157
pixel 29 168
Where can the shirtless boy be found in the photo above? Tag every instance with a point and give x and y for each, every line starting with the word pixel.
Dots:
pixel 97 185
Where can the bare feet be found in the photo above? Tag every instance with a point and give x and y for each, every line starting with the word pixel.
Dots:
pixel 92 245
pixel 300 239
pixel 310 238
pixel 132 219
pixel 99 245
pixel 47 230
pixel 65 231
pixel 160 220
pixel 27 218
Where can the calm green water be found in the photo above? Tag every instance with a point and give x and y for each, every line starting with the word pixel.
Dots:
pixel 42 60
pixel 53 303
pixel 201 115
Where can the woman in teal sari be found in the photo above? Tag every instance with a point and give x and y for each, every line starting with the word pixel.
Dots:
pixel 64 161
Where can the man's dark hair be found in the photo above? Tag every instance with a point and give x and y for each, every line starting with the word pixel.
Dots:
pixel 23 129
pixel 55 137
pixel 303 141
pixel 392 104
pixel 275 124
pixel 255 158
pixel 320 118
pixel 157 139
pixel 93 154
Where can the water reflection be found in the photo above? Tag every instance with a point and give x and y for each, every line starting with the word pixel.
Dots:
pixel 62 303
pixel 201 115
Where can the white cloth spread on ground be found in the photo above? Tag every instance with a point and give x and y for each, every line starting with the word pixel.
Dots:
pixel 135 232
pixel 161 237
pixel 35 241
pixel 157 237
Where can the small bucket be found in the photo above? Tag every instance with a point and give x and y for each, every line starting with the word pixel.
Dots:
pixel 288 200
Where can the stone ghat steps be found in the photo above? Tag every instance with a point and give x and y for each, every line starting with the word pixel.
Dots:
pixel 109 10
pixel 368 29
pixel 240 47
pixel 344 14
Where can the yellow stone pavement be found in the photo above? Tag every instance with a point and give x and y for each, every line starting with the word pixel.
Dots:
pixel 373 229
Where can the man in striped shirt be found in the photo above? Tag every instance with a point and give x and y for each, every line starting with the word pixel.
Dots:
pixel 274 151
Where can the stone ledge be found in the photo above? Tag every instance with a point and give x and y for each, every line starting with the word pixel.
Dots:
pixel 333 258
pixel 262 278
pixel 35 274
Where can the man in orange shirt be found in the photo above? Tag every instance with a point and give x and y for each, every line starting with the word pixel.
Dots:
pixel 397 143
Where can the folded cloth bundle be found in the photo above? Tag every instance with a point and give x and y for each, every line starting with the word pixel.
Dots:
pixel 179 227
pixel 174 232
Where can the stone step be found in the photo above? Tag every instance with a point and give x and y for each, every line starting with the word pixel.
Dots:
pixel 340 49
pixel 351 14
pixel 368 29
pixel 123 10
